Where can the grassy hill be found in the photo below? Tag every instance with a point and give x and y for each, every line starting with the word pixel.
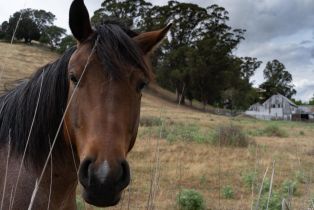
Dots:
pixel 178 148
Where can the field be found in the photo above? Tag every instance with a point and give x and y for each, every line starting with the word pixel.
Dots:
pixel 176 150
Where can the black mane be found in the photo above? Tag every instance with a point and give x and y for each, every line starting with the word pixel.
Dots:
pixel 17 108
pixel 116 50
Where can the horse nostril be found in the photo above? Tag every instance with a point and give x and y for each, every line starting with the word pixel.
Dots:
pixel 124 178
pixel 84 172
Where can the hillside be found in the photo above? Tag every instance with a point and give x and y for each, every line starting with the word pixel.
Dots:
pixel 175 150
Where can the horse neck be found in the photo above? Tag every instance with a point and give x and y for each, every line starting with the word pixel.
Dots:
pixel 63 185
pixel 64 181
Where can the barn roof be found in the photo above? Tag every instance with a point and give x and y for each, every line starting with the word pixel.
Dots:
pixel 285 98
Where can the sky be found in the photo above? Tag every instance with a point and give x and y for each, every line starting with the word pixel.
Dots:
pixel 276 29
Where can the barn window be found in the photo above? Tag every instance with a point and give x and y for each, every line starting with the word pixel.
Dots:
pixel 274 106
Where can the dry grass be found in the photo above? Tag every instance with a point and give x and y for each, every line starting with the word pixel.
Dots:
pixel 19 61
pixel 200 166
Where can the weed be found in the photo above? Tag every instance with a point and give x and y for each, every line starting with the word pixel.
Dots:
pixel 274 201
pixel 300 177
pixel 227 192
pixel 249 178
pixel 150 121
pixel 274 131
pixel 189 199
pixel 289 187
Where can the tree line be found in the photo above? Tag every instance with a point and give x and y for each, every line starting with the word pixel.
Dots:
pixel 196 61
pixel 36 25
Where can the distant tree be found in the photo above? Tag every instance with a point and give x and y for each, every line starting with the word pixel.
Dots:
pixel 66 43
pixel 52 35
pixel 186 19
pixel 297 102
pixel 43 19
pixel 31 26
pixel 278 80
pixel 3 30
pixel 241 94
pixel 311 102
pixel 131 12
pixel 196 60
pixel 249 66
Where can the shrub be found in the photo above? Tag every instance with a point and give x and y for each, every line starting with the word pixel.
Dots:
pixel 230 135
pixel 149 121
pixel 189 199
pixel 289 187
pixel 227 192
pixel 301 133
pixel 274 130
pixel 274 201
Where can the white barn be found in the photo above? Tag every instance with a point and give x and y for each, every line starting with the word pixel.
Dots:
pixel 277 107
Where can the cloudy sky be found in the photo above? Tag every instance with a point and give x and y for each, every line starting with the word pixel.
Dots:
pixel 276 29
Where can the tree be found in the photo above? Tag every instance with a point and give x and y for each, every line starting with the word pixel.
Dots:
pixel 196 60
pixel 52 36
pixel 186 19
pixel 131 12
pixel 249 66
pixel 297 102
pixel 3 29
pixel 66 43
pixel 311 102
pixel 32 24
pixel 278 80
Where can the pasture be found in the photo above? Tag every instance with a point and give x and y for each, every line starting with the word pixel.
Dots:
pixel 175 151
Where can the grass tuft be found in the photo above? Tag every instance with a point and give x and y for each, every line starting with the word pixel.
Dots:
pixel 230 135
pixel 274 131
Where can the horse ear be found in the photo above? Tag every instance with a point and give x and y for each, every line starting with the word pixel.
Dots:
pixel 79 21
pixel 149 40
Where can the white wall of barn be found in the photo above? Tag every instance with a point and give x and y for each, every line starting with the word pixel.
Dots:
pixel 276 107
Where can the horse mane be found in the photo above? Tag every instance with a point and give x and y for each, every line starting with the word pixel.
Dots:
pixel 115 49
pixel 49 85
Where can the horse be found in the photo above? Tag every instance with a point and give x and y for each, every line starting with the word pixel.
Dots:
pixel 76 119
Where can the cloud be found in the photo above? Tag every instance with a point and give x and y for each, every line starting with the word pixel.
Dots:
pixel 306 92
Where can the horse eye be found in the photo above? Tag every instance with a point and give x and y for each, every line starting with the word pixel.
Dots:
pixel 73 79
pixel 141 86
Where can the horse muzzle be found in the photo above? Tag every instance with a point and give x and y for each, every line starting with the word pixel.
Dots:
pixel 102 183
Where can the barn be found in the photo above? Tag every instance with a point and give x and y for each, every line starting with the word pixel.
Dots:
pixel 277 107
pixel 304 113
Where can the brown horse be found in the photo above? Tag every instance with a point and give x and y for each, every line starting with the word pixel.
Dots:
pixel 75 119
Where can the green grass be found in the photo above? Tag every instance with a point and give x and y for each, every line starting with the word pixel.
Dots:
pixel 270 130
pixel 175 131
